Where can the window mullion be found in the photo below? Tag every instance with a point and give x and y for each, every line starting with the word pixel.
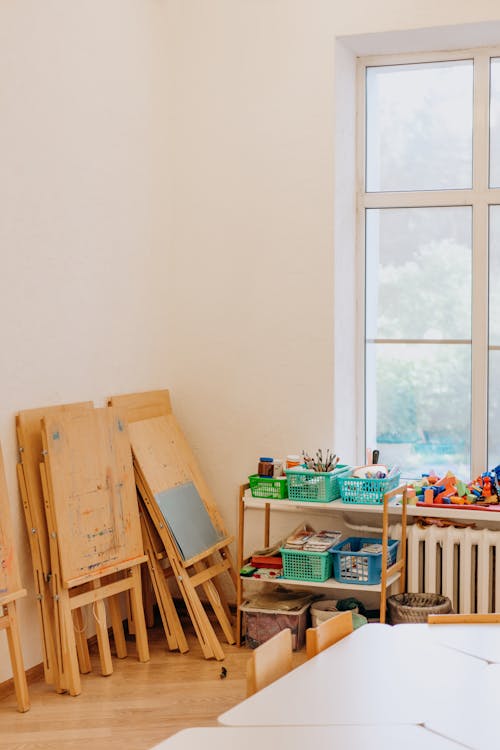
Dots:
pixel 360 375
pixel 479 416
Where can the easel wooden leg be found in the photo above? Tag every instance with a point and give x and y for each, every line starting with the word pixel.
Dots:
pixel 223 600
pixel 42 589
pixel 59 640
pixel 16 658
pixel 147 597
pixel 99 611
pixel 216 602
pixel 210 644
pixel 115 614
pixel 217 606
pixel 169 617
pixel 197 614
pixel 82 647
pixel 141 637
pixel 69 655
pixel 130 615
pixel 47 625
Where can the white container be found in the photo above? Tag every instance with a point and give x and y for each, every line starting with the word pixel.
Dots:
pixel 277 468
pixel 324 610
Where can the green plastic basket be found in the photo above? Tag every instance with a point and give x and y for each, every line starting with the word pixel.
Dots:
pixel 306 566
pixel 315 486
pixel 268 487
pixel 366 491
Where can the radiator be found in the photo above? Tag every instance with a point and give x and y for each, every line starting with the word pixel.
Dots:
pixel 462 564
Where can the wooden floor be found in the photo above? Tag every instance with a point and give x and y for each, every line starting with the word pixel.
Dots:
pixel 134 708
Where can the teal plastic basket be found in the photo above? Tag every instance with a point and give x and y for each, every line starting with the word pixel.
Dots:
pixel 306 566
pixel 366 491
pixel 311 486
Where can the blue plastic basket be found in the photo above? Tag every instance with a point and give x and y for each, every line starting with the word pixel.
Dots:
pixel 315 486
pixel 366 491
pixel 352 565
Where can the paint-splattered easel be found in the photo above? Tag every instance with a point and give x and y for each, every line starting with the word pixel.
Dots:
pixel 29 437
pixel 163 459
pixel 93 526
pixel 136 407
pixel 10 591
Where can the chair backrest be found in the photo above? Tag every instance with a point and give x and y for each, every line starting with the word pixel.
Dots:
pixel 327 633
pixel 269 661
pixel 473 619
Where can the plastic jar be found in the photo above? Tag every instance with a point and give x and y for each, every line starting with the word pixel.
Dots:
pixel 266 467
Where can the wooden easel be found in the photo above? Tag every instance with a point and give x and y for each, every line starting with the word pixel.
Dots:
pixel 29 438
pixel 93 524
pixel 163 459
pixel 29 435
pixel 10 591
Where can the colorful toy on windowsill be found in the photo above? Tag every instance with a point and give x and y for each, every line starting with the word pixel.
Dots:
pixel 448 490
pixel 486 488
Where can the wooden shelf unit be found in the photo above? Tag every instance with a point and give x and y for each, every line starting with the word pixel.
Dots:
pixel 389 575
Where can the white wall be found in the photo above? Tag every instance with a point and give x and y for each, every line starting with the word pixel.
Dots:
pixel 82 254
pixel 221 289
pixel 251 86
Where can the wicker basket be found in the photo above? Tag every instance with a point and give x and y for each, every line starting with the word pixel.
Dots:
pixel 416 607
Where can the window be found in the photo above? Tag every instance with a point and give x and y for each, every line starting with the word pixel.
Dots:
pixel 429 228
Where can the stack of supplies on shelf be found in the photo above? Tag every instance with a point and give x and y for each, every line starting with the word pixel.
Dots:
pixel 267 566
pixel 306 557
pixel 281 599
pixel 298 539
pixel 375 549
pixel 312 541
pixel 266 561
pixel 321 541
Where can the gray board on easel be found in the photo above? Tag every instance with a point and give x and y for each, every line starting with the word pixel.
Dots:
pixel 188 520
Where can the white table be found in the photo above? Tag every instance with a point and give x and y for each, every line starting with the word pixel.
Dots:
pixel 369 677
pixel 481 641
pixel 302 738
pixel 470 713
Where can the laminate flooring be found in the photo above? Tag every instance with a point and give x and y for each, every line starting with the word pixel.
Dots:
pixel 134 708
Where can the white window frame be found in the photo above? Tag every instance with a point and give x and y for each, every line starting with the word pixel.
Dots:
pixel 480 197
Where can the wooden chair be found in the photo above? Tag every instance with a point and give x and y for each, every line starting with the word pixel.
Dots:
pixel 270 661
pixel 328 633
pixel 475 619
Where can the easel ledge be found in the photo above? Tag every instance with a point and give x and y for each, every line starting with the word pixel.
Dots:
pixel 105 571
pixel 12 597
